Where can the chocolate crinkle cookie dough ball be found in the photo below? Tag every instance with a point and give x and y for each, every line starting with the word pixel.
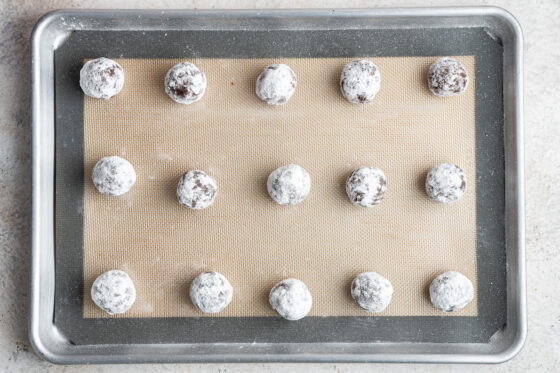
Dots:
pixel 291 299
pixel 289 184
pixel 366 186
pixel 451 291
pixel 113 176
pixel 185 83
pixel 446 183
pixel 211 292
pixel 360 81
pixel 113 292
pixel 101 78
pixel 196 190
pixel 371 291
pixel 276 84
pixel 447 77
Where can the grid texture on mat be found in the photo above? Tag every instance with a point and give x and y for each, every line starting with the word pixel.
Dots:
pixel 324 241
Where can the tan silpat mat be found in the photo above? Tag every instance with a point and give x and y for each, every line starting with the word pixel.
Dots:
pixel 324 241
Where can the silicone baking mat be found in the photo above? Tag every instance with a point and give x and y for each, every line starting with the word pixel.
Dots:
pixel 325 241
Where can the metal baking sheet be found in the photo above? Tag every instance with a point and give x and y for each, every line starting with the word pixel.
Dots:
pixel 63 39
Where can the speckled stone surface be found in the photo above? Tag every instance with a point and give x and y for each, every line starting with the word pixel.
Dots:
pixel 539 20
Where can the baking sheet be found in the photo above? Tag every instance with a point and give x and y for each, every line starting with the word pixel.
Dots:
pixel 375 43
pixel 324 241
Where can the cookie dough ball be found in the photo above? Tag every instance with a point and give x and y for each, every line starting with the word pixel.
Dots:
pixel 185 83
pixel 291 299
pixel 446 183
pixel 113 292
pixel 289 184
pixel 197 190
pixel 447 77
pixel 366 186
pixel 113 176
pixel 371 291
pixel 276 84
pixel 360 81
pixel 451 291
pixel 101 78
pixel 211 292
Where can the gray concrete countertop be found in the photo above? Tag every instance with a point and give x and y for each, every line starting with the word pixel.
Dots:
pixel 541 25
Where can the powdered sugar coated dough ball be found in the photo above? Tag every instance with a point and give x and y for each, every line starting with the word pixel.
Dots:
pixel 447 77
pixel 197 190
pixel 211 292
pixel 371 291
pixel 291 299
pixel 101 78
pixel 289 184
pixel 360 81
pixel 113 292
pixel 366 186
pixel 446 183
pixel 113 176
pixel 451 291
pixel 276 84
pixel 185 83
